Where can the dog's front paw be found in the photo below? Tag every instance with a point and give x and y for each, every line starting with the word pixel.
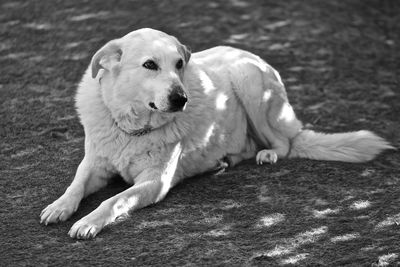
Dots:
pixel 59 210
pixel 89 226
pixel 266 155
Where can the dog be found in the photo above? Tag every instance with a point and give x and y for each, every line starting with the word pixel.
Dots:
pixel 155 114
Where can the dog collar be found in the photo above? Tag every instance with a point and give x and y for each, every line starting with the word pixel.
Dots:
pixel 145 130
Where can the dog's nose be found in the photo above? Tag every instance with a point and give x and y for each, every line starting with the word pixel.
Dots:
pixel 177 99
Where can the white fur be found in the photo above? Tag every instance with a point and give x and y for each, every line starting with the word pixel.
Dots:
pixel 357 146
pixel 236 106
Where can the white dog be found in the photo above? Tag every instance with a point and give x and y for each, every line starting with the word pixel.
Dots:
pixel 155 114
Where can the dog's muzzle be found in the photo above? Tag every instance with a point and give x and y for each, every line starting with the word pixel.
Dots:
pixel 177 99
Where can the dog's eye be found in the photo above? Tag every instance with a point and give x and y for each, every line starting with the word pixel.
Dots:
pixel 179 64
pixel 151 65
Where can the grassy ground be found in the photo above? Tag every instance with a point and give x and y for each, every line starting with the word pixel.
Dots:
pixel 340 61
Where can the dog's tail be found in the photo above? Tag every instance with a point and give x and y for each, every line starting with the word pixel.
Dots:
pixel 357 146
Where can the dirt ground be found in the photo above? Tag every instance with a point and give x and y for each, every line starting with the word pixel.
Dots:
pixel 340 61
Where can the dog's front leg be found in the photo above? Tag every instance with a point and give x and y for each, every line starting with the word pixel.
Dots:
pixel 90 176
pixel 151 186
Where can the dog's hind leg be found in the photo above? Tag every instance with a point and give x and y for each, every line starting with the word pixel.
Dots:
pixel 279 128
pixel 89 178
pixel 233 159
pixel 278 147
pixel 272 120
pixel 248 152
pixel 271 155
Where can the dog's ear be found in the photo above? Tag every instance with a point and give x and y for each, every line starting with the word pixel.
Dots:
pixel 107 57
pixel 185 51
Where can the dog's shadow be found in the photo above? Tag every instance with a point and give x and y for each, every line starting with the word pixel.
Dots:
pixel 90 203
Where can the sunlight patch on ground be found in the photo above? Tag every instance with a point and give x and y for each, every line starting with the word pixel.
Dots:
pixel 14 4
pixel 295 259
pixel 370 248
pixel 210 220
pixel 72 45
pixel 295 87
pixel 360 204
pixel 271 220
pixel 239 3
pixel 311 236
pixel 219 232
pixel 153 224
pixel 345 237
pixel 291 244
pixel 76 56
pixel 279 251
pixel 15 55
pixel 296 68
pixel 229 204
pixel 320 201
pixel 98 15
pixel 38 26
pixel 279 46
pixel 25 166
pixel 367 173
pixel 237 38
pixel 391 220
pixel 387 260
pixel 26 152
pixel 324 213
pixel 37 58
pixel 278 24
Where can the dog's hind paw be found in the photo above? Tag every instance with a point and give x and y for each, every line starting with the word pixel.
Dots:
pixel 266 155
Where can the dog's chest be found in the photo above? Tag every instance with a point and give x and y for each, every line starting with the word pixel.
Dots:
pixel 135 156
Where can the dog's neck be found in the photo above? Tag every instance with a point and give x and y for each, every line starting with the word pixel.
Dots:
pixel 145 122
pixel 139 132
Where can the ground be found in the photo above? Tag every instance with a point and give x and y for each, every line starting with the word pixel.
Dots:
pixel 340 62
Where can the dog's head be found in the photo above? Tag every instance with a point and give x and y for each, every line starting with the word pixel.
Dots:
pixel 140 72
